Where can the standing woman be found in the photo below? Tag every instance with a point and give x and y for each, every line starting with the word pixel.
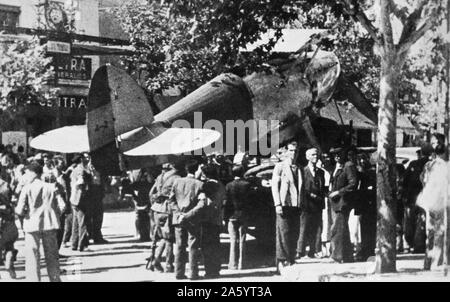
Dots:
pixel 326 214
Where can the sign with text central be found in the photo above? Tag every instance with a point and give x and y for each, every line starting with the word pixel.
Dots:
pixel 66 101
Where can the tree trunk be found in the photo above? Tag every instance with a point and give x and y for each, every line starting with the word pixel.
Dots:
pixel 386 174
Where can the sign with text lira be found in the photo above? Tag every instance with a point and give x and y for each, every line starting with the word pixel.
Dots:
pixel 75 71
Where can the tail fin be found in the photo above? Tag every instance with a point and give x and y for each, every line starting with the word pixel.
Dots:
pixel 116 105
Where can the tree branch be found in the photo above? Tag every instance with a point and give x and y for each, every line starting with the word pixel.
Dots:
pixel 400 13
pixel 355 11
pixel 410 34
pixel 413 37
pixel 412 21
pixel 386 25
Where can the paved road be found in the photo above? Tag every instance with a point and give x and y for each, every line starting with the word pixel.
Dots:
pixel 123 259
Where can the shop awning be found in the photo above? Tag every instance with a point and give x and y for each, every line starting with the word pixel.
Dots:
pixel 405 125
pixel 348 113
pixel 100 50
pixel 79 49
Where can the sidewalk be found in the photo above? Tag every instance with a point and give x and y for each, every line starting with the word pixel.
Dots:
pixel 409 269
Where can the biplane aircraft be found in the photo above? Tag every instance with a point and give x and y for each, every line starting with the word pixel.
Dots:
pixel 120 121
pixel 123 133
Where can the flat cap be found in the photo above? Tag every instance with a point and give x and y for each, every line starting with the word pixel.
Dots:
pixel 336 150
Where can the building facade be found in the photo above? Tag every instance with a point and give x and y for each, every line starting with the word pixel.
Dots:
pixel 72 72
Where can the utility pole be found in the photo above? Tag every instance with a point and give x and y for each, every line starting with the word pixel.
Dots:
pixel 447 80
pixel 447 134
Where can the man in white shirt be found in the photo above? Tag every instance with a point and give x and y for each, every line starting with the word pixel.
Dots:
pixel 286 183
pixel 41 205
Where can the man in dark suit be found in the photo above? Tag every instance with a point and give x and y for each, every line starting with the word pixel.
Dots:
pixel 344 182
pixel 96 194
pixel 80 182
pixel 209 211
pixel 236 214
pixel 182 199
pixel 366 207
pixel 312 202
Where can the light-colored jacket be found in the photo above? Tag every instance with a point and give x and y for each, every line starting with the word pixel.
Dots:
pixel 42 205
pixel 284 190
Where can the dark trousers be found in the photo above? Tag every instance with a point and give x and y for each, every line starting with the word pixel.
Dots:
pixel 95 213
pixel 210 244
pixel 79 229
pixel 8 235
pixel 187 236
pixel 142 223
pixel 414 228
pixel 237 231
pixel 310 232
pixel 368 232
pixel 65 229
pixel 341 246
pixel 68 221
pixel 60 233
pixel 287 231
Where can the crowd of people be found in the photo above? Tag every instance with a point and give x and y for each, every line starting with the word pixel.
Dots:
pixel 332 204
pixel 325 208
pixel 186 209
pixel 56 204
pixel 314 203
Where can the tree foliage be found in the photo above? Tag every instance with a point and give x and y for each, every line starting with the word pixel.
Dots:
pixel 24 73
pixel 426 66
pixel 349 41
pixel 186 43
pixel 360 63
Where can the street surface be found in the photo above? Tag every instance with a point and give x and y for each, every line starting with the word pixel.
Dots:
pixel 123 260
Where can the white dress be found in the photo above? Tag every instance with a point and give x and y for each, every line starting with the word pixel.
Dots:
pixel 326 213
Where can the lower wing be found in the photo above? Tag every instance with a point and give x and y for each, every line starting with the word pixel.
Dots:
pixel 176 141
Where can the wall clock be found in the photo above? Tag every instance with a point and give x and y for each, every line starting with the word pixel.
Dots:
pixel 55 15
